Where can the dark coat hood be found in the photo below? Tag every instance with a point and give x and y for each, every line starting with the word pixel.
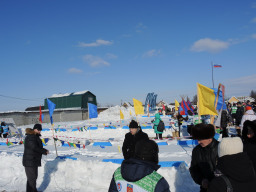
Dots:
pixel 134 169
pixel 237 167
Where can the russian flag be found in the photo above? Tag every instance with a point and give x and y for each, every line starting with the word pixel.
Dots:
pixel 216 66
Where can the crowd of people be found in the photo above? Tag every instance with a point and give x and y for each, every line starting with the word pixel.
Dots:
pixel 216 166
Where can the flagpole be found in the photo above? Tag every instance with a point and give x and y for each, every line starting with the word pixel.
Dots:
pixel 89 119
pixel 212 76
pixel 54 141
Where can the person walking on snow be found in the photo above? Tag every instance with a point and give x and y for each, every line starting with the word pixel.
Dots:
pixel 156 122
pixel 33 151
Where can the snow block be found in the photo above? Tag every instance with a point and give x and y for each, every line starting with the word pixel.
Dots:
pixel 67 157
pixel 125 127
pixel 117 161
pixel 171 163
pixel 162 143
pixel 3 143
pixel 46 129
pixel 92 128
pixel 146 127
pixel 110 127
pixel 61 129
pixel 187 142
pixel 102 144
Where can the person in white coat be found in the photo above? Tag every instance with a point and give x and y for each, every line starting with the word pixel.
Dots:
pixel 249 115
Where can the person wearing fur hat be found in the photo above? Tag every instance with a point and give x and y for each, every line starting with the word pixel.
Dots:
pixel 204 155
pixel 139 173
pixel 234 168
pixel 33 151
pixel 131 138
pixel 249 140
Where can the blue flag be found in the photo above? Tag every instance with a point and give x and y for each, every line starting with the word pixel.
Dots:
pixel 93 113
pixel 51 107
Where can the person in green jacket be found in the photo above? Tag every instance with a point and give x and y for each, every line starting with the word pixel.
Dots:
pixel 156 122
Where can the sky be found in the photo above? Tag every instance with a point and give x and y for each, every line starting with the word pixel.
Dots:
pixel 121 50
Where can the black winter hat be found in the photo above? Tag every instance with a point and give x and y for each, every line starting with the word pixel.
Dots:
pixel 133 124
pixel 38 127
pixel 203 131
pixel 147 150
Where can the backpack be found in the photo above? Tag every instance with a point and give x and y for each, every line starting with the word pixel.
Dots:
pixel 160 126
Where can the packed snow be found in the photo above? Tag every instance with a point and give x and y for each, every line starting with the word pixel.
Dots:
pixel 82 169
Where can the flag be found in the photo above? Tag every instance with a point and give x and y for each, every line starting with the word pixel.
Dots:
pixel 130 113
pixel 93 113
pixel 206 99
pixel 176 105
pixel 217 66
pixel 51 107
pixel 121 115
pixel 190 105
pixel 138 107
pixel 40 114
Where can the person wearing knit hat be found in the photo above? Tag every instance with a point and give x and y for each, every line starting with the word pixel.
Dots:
pixel 134 172
pixel 204 155
pixel 135 134
pixel 234 168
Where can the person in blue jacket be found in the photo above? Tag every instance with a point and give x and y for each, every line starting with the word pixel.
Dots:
pixel 5 129
pixel 156 122
pixel 139 173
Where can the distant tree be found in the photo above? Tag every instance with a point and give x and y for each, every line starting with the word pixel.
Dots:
pixel 194 100
pixel 253 94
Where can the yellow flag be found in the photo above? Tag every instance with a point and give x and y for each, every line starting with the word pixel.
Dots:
pixel 176 105
pixel 138 107
pixel 130 113
pixel 121 115
pixel 206 99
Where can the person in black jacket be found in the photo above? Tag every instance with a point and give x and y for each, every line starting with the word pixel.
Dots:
pixel 235 166
pixel 249 140
pixel 33 150
pixel 139 173
pixel 204 155
pixel 224 123
pixel 131 138
pixel 239 115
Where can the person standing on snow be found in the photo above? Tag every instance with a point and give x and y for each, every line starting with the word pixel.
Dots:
pixel 239 115
pixel 156 122
pixel 5 129
pixel 249 115
pixel 131 138
pixel 204 155
pixel 234 168
pixel 33 150
pixel 139 173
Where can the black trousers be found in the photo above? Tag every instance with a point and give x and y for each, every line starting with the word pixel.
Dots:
pixel 32 173
pixel 159 136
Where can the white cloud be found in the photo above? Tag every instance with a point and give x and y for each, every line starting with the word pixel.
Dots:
pixel 95 61
pixel 241 86
pixel 151 53
pixel 110 56
pixel 254 20
pixel 74 70
pixel 140 27
pixel 209 45
pixel 97 43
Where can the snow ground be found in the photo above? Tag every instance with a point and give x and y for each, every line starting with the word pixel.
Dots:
pixel 88 173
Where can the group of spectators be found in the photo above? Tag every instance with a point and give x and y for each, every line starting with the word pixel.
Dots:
pixel 226 166
pixel 217 167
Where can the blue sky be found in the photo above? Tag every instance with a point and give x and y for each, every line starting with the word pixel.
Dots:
pixel 124 49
